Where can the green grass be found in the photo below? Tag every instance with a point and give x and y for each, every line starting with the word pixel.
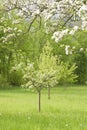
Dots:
pixel 67 109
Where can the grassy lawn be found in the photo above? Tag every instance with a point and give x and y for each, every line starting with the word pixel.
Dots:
pixel 66 110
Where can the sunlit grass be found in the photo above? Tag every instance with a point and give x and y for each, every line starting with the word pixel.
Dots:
pixel 66 110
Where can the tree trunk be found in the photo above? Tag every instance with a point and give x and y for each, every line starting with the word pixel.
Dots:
pixel 49 92
pixel 39 101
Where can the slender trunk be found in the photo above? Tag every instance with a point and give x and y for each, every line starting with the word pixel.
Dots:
pixel 39 101
pixel 49 92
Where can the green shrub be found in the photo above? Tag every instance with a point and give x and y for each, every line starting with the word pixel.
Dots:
pixel 81 70
pixel 67 73
pixel 15 77
pixel 3 82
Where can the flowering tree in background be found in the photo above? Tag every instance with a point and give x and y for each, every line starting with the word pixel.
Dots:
pixel 8 42
pixel 59 17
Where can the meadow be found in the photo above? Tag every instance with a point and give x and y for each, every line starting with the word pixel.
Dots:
pixel 66 110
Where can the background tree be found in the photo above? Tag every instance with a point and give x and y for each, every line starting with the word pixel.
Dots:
pixel 67 73
pixel 81 71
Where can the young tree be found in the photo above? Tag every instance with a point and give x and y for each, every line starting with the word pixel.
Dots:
pixel 48 64
pixel 45 75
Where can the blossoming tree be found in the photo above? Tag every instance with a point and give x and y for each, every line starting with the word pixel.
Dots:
pixel 8 41
pixel 45 75
pixel 58 15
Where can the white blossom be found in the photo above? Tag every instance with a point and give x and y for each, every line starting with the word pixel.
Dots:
pixel 73 47
pixel 81 49
pixel 72 32
pixel 67 49
pixel 16 22
pixel 19 31
pixel 75 28
pixel 15 28
pixel 20 13
pixel 59 35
